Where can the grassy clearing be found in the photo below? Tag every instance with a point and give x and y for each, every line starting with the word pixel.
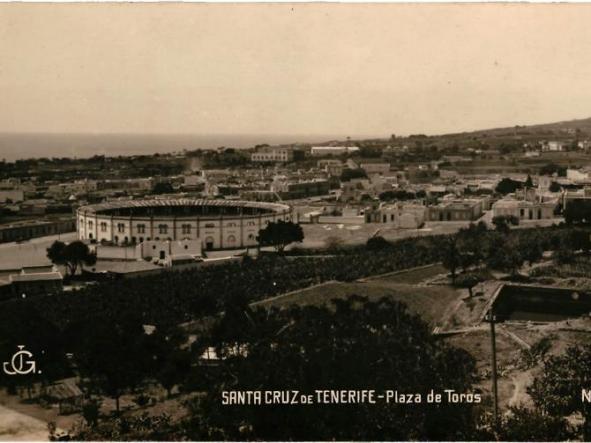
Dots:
pixel 428 302
pixel 581 267
pixel 413 276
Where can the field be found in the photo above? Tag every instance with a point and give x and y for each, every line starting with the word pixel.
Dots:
pixel 432 303
pixel 317 235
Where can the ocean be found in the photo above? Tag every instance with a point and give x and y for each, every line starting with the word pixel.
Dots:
pixel 15 146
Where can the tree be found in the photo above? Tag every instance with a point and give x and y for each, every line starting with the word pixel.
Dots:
pixel 579 239
pixel 162 188
pixel 505 255
pixel 144 427
pixel 502 223
pixel 528 182
pixel 451 256
pixel 377 243
pixel 508 186
pixel 557 390
pixel 350 174
pixel 340 346
pixel 531 247
pixel 73 255
pixel 112 354
pixel 171 364
pixel 554 187
pixel 563 254
pixel 522 424
pixel 471 244
pixel 55 253
pixel 91 412
pixel 553 168
pixel 280 234
pixel 468 281
pixel 577 211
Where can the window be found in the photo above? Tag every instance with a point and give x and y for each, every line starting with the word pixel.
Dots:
pixel 162 229
pixel 186 229
pixel 250 223
pixel 210 225
pixel 103 227
pixel 90 224
pixel 120 227
pixel 231 239
pixel 522 212
pixel 231 225
pixel 141 229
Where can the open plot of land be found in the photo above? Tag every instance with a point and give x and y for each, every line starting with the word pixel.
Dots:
pixel 316 235
pixel 29 253
pixel 510 386
pixel 413 276
pixel 15 426
pixel 431 303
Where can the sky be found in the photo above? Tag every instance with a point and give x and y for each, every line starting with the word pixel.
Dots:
pixel 371 69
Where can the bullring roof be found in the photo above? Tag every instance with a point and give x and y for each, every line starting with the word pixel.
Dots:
pixel 277 207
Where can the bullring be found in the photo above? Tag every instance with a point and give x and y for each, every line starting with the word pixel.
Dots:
pixel 219 224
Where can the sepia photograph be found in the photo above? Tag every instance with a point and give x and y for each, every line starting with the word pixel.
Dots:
pixel 295 222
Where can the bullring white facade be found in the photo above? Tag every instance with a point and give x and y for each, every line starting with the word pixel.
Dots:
pixel 219 224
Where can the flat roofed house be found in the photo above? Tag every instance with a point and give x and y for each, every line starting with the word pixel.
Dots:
pixel 456 210
pixel 272 155
pixel 400 215
pixel 68 396
pixel 319 151
pixel 39 283
pixel 161 250
pixel 524 210
pixel 381 168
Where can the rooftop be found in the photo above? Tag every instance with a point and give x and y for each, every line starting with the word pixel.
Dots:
pixel 41 276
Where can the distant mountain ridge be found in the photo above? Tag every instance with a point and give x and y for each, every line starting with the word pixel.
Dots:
pixel 583 124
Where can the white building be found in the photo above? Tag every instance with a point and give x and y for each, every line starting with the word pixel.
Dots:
pixel 161 251
pixel 553 146
pixel 320 151
pixel 524 210
pixel 578 175
pixel 376 168
pixel 400 215
pixel 272 155
pixel 11 195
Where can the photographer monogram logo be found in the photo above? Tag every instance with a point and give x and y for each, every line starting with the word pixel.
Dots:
pixel 21 363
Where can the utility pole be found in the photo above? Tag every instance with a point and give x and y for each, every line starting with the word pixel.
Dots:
pixel 491 318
